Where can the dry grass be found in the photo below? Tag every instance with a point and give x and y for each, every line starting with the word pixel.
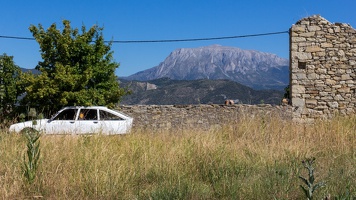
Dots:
pixel 255 158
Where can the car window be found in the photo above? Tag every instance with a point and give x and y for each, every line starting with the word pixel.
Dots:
pixel 104 115
pixel 88 114
pixel 68 114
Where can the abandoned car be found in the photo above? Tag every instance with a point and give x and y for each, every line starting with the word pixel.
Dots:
pixel 80 120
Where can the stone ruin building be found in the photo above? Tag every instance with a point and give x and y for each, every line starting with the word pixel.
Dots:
pixel 322 69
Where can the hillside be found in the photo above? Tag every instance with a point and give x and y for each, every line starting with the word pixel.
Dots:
pixel 165 91
pixel 33 71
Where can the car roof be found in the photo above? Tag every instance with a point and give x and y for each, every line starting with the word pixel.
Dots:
pixel 77 107
pixel 95 107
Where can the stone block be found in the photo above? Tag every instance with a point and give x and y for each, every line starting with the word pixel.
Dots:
pixel 307 34
pixel 299 39
pixel 320 33
pixel 321 71
pixel 345 77
pixel 294 46
pixel 338 97
pixel 300 28
pixel 344 90
pixel 352 62
pixel 324 93
pixel 330 82
pixel 314 28
pixel 313 76
pixel 337 29
pixel 333 104
pixel 313 49
pixel 299 76
pixel 336 86
pixel 326 45
pixel 311 102
pixel 298 89
pixel 321 107
pixel 331 37
pixel 321 53
pixel 298 102
pixel 312 92
pixel 331 72
pixel 302 55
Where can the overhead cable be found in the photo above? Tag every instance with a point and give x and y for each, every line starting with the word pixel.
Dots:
pixel 16 38
pixel 169 40
pixel 198 39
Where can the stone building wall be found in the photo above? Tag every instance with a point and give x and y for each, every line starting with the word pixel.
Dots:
pixel 323 68
pixel 200 117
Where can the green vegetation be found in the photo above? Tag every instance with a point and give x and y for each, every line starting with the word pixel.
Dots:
pixel 77 68
pixel 9 87
pixel 310 187
pixel 254 158
pixel 32 156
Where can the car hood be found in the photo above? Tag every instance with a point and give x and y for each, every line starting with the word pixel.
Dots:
pixel 35 124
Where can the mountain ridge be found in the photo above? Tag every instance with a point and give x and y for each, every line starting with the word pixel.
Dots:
pixel 165 91
pixel 252 68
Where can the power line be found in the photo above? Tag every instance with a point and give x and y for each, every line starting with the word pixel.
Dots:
pixel 15 37
pixel 199 39
pixel 171 40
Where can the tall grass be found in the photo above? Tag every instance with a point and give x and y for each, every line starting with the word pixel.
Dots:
pixel 256 157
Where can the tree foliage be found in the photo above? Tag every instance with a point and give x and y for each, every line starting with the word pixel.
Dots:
pixel 9 87
pixel 77 69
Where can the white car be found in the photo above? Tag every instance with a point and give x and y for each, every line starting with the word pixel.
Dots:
pixel 80 120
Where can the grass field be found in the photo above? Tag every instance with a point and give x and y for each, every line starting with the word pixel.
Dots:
pixel 254 158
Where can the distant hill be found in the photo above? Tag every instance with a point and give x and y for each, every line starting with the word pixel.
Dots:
pixel 255 69
pixel 33 71
pixel 165 91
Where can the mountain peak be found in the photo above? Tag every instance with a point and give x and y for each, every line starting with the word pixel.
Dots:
pixel 256 69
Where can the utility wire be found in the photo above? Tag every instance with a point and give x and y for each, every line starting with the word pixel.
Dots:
pixel 16 38
pixel 172 40
pixel 198 39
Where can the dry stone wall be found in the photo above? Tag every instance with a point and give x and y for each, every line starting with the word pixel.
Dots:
pixel 323 65
pixel 201 117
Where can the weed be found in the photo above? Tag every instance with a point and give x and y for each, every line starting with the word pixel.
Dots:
pixel 310 185
pixel 31 162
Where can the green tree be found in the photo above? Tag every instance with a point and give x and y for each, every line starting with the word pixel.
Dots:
pixel 9 87
pixel 77 69
pixel 287 92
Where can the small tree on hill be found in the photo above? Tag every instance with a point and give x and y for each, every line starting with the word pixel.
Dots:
pixel 9 87
pixel 77 69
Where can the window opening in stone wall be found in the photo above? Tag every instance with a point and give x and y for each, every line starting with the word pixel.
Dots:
pixel 302 65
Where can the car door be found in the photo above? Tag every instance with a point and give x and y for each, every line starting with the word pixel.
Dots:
pixel 63 123
pixel 88 122
pixel 111 123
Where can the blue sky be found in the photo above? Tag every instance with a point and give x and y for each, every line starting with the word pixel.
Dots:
pixel 165 19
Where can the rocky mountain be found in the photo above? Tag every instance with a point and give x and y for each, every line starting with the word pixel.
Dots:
pixel 166 91
pixel 255 69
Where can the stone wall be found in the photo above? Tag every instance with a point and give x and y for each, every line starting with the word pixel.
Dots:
pixel 201 117
pixel 323 68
